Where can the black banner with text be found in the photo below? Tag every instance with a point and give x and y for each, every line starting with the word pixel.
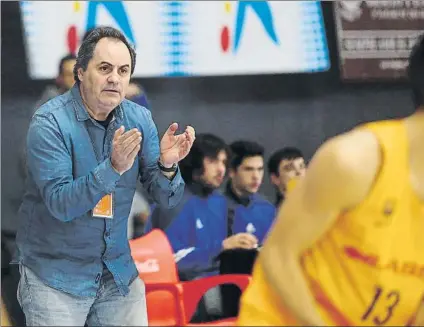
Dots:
pixel 375 37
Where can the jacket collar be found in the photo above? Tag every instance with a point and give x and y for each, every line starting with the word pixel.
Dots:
pixel 243 200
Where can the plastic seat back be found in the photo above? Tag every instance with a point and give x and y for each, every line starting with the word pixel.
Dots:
pixel 154 258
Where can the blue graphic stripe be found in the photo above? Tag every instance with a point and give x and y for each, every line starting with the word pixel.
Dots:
pixel 30 24
pixel 175 44
pixel 262 10
pixel 314 39
pixel 117 11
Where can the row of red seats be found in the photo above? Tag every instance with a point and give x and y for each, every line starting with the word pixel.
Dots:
pixel 171 302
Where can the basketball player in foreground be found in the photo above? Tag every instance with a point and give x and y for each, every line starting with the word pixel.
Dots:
pixel 348 246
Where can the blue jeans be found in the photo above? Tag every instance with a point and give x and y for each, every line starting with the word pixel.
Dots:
pixel 46 306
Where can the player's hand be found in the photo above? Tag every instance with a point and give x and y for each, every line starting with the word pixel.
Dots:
pixel 125 147
pixel 240 241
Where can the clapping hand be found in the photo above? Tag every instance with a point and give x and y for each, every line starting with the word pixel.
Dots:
pixel 174 148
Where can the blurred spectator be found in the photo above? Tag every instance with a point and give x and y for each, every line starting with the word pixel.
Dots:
pixel 248 211
pixel 64 80
pixel 137 94
pixel 284 165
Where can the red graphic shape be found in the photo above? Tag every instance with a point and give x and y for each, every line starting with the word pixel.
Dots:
pixel 225 39
pixel 355 254
pixel 72 39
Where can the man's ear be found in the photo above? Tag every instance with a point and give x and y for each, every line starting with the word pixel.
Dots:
pixel 80 74
pixel 275 180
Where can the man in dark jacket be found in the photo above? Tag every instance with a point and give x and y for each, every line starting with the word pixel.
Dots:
pixel 248 211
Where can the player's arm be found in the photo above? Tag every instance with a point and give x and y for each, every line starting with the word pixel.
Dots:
pixel 339 177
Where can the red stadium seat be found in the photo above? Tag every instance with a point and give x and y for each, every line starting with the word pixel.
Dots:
pixel 171 302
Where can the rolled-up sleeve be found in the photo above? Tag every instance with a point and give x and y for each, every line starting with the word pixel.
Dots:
pixel 50 164
pixel 167 193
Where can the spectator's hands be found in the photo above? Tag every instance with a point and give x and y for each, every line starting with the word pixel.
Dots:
pixel 240 241
pixel 174 148
pixel 125 147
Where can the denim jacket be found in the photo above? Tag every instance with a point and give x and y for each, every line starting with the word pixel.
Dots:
pixel 69 171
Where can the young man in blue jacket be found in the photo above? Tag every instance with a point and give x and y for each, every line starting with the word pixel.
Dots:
pixel 204 227
pixel 198 229
pixel 248 212
pixel 203 172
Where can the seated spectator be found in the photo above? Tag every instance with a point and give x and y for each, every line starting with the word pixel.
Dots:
pixel 284 165
pixel 64 80
pixel 203 171
pixel 200 231
pixel 137 94
pixel 248 211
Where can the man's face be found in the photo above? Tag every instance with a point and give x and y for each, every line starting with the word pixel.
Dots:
pixel 249 175
pixel 214 169
pixel 288 169
pixel 106 79
pixel 67 75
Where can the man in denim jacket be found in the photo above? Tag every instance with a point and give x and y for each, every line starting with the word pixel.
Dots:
pixel 85 151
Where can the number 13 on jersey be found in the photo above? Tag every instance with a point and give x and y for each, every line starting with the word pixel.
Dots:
pixel 381 307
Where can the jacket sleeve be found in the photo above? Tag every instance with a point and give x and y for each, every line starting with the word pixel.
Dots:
pixel 189 254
